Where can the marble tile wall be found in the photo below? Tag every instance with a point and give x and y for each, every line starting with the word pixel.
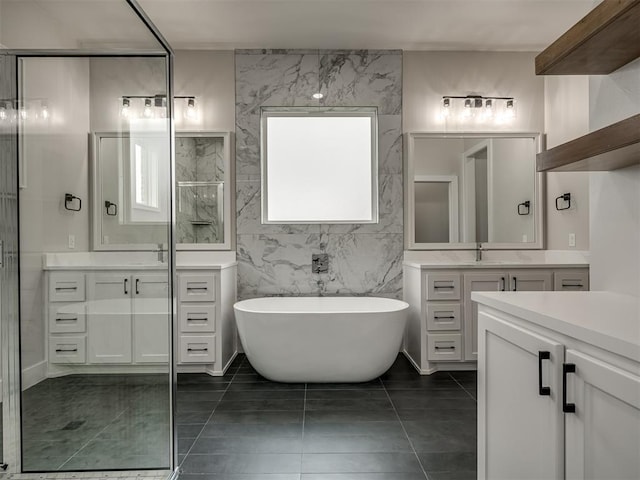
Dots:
pixel 364 259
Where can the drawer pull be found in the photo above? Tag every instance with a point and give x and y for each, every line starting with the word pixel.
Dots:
pixel 197 349
pixel 515 284
pixel 572 285
pixel 66 350
pixel 445 287
pixel 126 290
pixel 503 285
pixel 445 348
pixel 197 319
pixel 197 289
pixel 66 289
pixel 451 317
pixel 137 286
pixel 70 319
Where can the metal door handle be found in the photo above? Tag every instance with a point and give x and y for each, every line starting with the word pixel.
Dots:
pixel 543 391
pixel 567 368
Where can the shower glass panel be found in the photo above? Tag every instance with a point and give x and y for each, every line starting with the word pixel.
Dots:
pixel 95 325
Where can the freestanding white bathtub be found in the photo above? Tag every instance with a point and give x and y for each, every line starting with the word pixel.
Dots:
pixel 321 339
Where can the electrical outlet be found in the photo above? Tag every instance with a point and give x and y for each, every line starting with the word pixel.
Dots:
pixel 72 241
pixel 572 239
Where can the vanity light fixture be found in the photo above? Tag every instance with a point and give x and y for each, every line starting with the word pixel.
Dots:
pixel 126 107
pixel 498 109
pixel 44 111
pixel 3 112
pixel 154 106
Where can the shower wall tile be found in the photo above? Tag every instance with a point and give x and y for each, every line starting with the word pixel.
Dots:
pixel 276 259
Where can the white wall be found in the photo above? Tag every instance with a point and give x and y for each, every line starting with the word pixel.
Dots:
pixel 56 161
pixel 566 116
pixel 427 76
pixel 615 196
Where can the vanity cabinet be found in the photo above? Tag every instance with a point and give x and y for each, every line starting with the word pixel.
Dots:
pixel 556 401
pixel 442 330
pixel 116 320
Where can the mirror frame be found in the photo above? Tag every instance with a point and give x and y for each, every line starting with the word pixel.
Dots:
pixel 409 194
pixel 95 195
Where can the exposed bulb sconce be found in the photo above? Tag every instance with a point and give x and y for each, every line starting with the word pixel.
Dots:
pixel 126 107
pixel 190 112
pixel 44 111
pixel 148 110
pixel 496 109
pixel 3 112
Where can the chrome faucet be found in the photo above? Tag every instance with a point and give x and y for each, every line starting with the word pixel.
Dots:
pixel 479 252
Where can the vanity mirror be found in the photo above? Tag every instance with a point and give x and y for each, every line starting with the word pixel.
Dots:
pixel 130 191
pixel 466 189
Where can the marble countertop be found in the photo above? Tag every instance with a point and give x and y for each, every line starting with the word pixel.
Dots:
pixel 608 320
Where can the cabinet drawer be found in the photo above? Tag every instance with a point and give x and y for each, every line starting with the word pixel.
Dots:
pixel 197 288
pixel 198 318
pixel 443 316
pixel 444 347
pixel 66 287
pixel 571 280
pixel 69 318
pixel 65 349
pixel 197 348
pixel 443 286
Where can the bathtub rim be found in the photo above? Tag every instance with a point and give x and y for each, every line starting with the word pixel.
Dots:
pixel 245 305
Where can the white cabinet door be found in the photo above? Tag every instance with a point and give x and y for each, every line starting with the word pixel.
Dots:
pixel 109 319
pixel 530 281
pixel 603 434
pixel 477 282
pixel 520 426
pixel 151 318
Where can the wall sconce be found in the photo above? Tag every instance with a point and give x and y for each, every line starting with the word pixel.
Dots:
pixel 496 109
pixel 154 106
pixel 27 109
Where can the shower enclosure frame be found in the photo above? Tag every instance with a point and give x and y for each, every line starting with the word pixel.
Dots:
pixel 10 337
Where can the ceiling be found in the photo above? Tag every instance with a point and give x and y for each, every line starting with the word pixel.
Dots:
pixel 502 25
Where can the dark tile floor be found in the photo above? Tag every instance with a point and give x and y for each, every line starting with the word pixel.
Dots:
pixel 402 426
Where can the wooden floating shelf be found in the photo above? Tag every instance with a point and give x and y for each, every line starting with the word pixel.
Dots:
pixel 610 148
pixel 606 39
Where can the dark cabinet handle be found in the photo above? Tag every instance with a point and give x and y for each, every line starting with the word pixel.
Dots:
pixel 437 287
pixel 70 319
pixel 137 286
pixel 542 390
pixel 504 284
pixel 67 350
pixel 515 284
pixel 451 317
pixel 197 349
pixel 126 290
pixel 444 348
pixel 572 285
pixel 567 368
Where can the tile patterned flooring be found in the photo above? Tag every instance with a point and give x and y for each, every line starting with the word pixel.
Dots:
pixel 402 426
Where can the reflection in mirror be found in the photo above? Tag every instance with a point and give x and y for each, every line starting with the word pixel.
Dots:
pixel 127 202
pixel 200 185
pixel 495 174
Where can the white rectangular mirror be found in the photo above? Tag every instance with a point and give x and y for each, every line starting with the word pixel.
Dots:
pixel 467 189
pixel 319 165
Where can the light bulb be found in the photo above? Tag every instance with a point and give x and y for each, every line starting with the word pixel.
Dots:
pixel 190 112
pixel 317 95
pixel 23 113
pixel 467 103
pixel 44 113
pixel 125 108
pixel 148 110
pixel 3 112
pixel 510 109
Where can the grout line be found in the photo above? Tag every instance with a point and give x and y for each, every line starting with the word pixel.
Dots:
pixel 211 415
pixel 413 449
pixel 463 387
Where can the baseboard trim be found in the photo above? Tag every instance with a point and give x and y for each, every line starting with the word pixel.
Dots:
pixel 34 374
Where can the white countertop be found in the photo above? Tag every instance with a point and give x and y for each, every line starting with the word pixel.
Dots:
pixel 135 261
pixel 443 259
pixel 608 320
